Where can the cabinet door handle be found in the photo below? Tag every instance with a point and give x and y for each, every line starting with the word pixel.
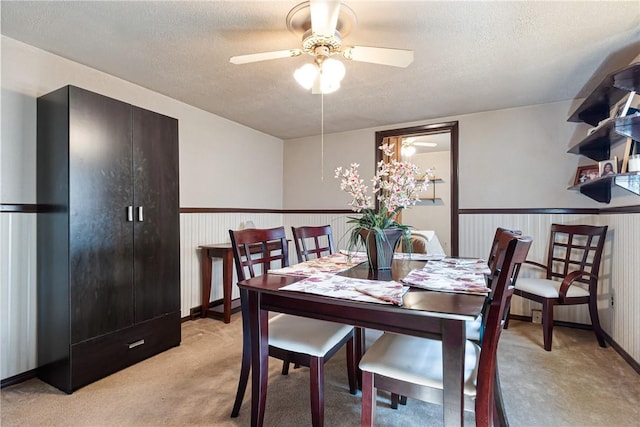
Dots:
pixel 129 213
pixel 140 214
pixel 136 344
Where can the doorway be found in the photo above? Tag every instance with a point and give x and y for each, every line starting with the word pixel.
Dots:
pixel 427 134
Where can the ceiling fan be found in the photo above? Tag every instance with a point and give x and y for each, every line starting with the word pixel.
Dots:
pixel 323 24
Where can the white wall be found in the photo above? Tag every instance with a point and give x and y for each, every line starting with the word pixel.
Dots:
pixel 212 150
pixel 514 158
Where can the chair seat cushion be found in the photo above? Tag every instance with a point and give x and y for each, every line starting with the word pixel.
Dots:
pixel 548 288
pixel 473 327
pixel 304 335
pixel 417 360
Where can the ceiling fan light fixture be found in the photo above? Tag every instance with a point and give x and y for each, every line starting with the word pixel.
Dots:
pixel 324 75
pixel 306 75
pixel 333 70
pixel 408 150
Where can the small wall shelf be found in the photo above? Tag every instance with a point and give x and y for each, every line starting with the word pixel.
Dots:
pixel 600 189
pixel 424 201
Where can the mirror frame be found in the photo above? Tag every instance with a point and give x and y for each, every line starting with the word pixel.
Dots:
pixel 452 128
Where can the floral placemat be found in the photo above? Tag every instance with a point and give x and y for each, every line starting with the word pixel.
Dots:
pixel 364 290
pixel 334 263
pixel 451 275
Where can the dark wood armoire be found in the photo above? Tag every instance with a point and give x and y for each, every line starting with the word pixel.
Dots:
pixel 108 236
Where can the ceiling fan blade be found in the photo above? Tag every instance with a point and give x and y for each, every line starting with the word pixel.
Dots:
pixel 324 17
pixel 257 57
pixel 379 55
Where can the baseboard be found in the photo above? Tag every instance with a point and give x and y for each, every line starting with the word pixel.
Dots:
pixel 633 363
pixel 24 376
pixel 625 356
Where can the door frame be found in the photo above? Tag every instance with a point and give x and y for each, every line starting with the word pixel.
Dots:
pixel 452 129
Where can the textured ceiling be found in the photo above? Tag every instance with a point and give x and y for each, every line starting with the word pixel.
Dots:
pixel 469 56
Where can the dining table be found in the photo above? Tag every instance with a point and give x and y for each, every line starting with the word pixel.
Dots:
pixel 423 313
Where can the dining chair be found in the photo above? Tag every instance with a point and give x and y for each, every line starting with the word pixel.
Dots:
pixel 412 366
pixel 320 237
pixel 304 341
pixel 571 275
pixel 474 329
pixel 501 238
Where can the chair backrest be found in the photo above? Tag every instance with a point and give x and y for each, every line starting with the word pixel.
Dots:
pixel 512 254
pixel 322 239
pixel 258 246
pixel 576 248
pixel 499 244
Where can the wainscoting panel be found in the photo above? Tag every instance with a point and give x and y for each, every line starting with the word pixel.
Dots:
pixel 476 232
pixel 198 229
pixel 620 279
pixel 18 301
pixel 620 275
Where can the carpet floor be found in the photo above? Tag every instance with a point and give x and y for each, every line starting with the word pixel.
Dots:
pixel 577 384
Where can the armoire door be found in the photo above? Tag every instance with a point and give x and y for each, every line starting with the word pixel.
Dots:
pixel 157 220
pixel 101 234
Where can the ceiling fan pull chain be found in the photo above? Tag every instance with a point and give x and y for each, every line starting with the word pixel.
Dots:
pixel 322 137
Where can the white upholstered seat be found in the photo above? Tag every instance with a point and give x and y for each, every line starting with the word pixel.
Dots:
pixel 304 335
pixel 549 288
pixel 395 356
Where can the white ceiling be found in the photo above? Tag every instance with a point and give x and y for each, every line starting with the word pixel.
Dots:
pixel 469 56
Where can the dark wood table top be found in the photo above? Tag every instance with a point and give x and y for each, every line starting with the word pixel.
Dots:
pixel 417 302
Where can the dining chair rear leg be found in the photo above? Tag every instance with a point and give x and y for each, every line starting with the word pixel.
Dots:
pixel 316 388
pixel 285 368
pixel 395 398
pixel 547 323
pixel 351 366
pixel 595 321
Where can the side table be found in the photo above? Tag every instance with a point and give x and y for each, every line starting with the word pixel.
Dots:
pixel 207 253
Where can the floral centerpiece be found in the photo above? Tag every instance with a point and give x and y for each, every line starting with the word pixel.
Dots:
pixel 396 186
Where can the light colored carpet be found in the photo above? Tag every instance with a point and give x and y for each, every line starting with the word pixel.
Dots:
pixel 577 384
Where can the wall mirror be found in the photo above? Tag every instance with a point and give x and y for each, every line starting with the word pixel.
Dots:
pixel 435 147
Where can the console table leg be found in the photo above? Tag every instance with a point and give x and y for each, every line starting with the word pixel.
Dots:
pixel 227 285
pixel 205 271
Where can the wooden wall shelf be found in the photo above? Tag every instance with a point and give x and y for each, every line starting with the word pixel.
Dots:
pixel 610 132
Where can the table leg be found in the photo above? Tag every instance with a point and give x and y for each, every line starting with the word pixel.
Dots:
pixel 205 272
pixel 453 345
pixel 360 341
pixel 227 285
pixel 259 330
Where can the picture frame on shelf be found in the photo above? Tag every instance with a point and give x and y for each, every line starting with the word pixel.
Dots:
pixel 608 167
pixel 586 174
